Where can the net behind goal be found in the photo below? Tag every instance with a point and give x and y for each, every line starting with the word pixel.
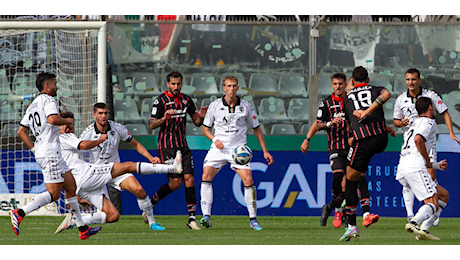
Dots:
pixel 70 51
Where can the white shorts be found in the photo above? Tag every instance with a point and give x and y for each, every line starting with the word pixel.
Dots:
pixel 91 185
pixel 116 182
pixel 420 182
pixel 218 158
pixel 53 169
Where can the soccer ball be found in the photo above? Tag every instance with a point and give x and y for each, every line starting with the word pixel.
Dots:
pixel 242 154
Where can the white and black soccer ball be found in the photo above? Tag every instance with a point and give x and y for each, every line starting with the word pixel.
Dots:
pixel 242 154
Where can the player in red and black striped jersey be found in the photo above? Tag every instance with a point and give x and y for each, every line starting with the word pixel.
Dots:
pixel 169 112
pixel 330 118
pixel 363 110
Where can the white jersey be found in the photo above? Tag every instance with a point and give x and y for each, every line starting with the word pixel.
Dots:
pixel 410 158
pixel 230 123
pixel 36 119
pixel 108 150
pixel 405 105
pixel 73 156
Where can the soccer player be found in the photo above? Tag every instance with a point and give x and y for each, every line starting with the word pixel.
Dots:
pixel 413 164
pixel 107 152
pixel 169 112
pixel 229 116
pixel 43 119
pixel 330 118
pixel 91 179
pixel 404 115
pixel 370 137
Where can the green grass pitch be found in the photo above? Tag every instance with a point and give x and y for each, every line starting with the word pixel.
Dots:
pixel 226 230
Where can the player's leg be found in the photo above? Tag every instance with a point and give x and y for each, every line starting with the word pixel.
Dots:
pixel 207 194
pixel 131 184
pixel 424 189
pixel 250 193
pixel 365 201
pixel 408 196
pixel 190 199
pixel 336 201
pixel 71 200
pixel 54 178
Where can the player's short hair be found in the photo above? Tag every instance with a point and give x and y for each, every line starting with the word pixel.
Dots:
pixel 339 76
pixel 67 114
pixel 41 78
pixel 422 104
pixel 100 105
pixel 360 74
pixel 174 74
pixel 229 78
pixel 412 71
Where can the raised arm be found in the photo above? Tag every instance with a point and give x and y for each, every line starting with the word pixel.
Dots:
pixel 141 150
pixel 378 102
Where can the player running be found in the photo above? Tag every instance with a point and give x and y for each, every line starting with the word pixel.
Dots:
pixel 107 152
pixel 42 117
pixel 370 137
pixel 404 115
pixel 91 179
pixel 414 161
pixel 229 116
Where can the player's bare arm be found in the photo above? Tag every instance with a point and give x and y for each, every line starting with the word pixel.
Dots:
pixel 141 150
pixel 23 133
pixel 378 102
pixel 199 116
pixel 448 121
pixel 391 131
pixel 260 136
pixel 306 142
pixel 86 145
pixel 400 123
pixel 58 120
pixel 208 133
pixel 325 125
pixel 155 123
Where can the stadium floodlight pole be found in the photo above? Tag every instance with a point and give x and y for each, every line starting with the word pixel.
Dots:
pixel 76 25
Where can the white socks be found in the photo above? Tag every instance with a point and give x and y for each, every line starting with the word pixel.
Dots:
pixel 206 198
pixel 75 210
pixel 150 168
pixel 424 212
pixel 427 223
pixel 39 201
pixel 95 218
pixel 146 205
pixel 250 199
pixel 408 196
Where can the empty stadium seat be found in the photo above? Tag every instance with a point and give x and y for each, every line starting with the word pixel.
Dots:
pixel 251 131
pixel 292 85
pixel 262 82
pixel 192 129
pixel 137 129
pixel 298 109
pixel 126 111
pixel 272 110
pixel 283 129
pixel 10 129
pixel 24 83
pixel 204 83
pixel 145 84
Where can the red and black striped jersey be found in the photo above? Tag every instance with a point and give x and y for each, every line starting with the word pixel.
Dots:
pixel 172 132
pixel 337 136
pixel 360 98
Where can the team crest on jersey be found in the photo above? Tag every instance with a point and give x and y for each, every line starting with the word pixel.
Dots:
pixel 241 109
pixel 112 133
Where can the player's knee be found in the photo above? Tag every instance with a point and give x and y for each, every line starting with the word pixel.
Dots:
pixel 138 191
pixel 112 216
pixel 175 183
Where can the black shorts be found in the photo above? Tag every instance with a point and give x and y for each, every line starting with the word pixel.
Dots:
pixel 361 151
pixel 166 154
pixel 338 160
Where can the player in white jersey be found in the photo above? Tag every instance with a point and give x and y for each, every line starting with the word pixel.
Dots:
pixel 413 164
pixel 403 116
pixel 107 152
pixel 91 179
pixel 42 117
pixel 229 116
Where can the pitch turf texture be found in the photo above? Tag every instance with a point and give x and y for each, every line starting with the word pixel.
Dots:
pixel 226 230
